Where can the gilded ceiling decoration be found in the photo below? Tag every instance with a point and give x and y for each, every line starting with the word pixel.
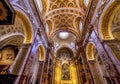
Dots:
pixel 10 29
pixel 64 14
pixel 12 34
pixel 16 40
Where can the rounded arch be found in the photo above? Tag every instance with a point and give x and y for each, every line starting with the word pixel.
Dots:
pixel 78 23
pixel 41 50
pixel 26 26
pixel 64 50
pixel 90 51
pixel 95 62
pixel 13 39
pixel 106 18
pixel 49 25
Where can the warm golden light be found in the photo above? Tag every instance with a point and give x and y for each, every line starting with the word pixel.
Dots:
pixel 26 27
pixel 89 51
pixel 58 74
pixel 41 50
pixel 73 74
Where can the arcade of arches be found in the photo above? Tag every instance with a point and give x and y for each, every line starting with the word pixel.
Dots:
pixel 59 41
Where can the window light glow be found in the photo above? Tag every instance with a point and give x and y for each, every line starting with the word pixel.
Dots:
pixel 80 25
pixel 86 2
pixel 63 35
pixel 39 3
pixel 47 28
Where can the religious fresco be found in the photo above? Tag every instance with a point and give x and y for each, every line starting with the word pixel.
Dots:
pixel 65 52
pixel 65 72
pixel 7 13
pixel 60 42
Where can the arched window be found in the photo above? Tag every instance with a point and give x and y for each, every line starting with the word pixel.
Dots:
pixel 41 50
pixel 39 4
pixel 63 35
pixel 80 25
pixel 47 28
pixel 90 51
pixel 86 2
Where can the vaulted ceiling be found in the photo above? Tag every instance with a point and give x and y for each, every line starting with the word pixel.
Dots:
pixel 63 20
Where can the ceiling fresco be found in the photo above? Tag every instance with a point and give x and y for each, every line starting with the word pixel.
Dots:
pixel 62 14
pixel 63 20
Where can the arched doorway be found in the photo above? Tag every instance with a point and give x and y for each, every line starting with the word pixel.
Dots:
pixel 14 35
pixel 95 63
pixel 41 51
pixel 65 69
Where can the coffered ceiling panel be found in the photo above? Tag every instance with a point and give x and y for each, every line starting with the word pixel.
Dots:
pixel 63 20
pixel 63 14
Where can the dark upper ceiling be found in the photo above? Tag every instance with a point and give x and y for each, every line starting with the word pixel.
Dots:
pixel 7 13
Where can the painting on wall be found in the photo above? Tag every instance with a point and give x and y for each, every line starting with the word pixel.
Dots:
pixel 65 72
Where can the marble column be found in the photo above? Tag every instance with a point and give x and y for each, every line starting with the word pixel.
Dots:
pixel 40 71
pixel 53 77
pixel 88 76
pixel 45 70
pixel 110 71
